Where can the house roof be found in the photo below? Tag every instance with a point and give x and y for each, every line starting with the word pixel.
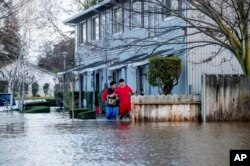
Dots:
pixel 151 55
pixel 28 64
pixel 86 13
pixel 128 60
pixel 136 58
pixel 90 66
pixel 41 69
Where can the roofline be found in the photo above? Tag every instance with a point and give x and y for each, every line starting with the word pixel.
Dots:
pixel 72 20
pixel 41 69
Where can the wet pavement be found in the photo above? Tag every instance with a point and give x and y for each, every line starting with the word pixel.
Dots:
pixel 55 140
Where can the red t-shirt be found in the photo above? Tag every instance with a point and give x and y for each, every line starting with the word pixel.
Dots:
pixel 124 94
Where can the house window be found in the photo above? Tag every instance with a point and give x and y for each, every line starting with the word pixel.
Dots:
pixel 116 75
pixel 179 6
pixel 167 7
pixel 83 32
pixel 95 28
pixel 153 19
pixel 136 14
pixel 105 24
pixel 117 20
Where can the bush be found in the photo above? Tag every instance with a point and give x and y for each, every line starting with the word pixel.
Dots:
pixel 16 109
pixel 37 109
pixel 164 72
pixel 77 111
pixel 53 102
pixel 101 104
pixel 46 89
pixel 59 98
pixel 41 103
pixel 35 88
pixel 48 103
pixel 88 96
pixel 87 115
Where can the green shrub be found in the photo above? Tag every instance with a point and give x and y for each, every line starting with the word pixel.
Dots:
pixel 53 102
pixel 164 72
pixel 77 111
pixel 87 115
pixel 68 100
pixel 88 96
pixel 35 88
pixel 59 98
pixel 46 89
pixel 42 103
pixel 16 109
pixel 101 104
pixel 37 109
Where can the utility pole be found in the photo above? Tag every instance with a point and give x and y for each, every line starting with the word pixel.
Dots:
pixel 105 45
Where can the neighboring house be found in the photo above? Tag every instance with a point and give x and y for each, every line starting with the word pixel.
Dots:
pixel 110 24
pixel 32 73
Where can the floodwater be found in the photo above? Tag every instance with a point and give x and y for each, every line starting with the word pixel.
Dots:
pixel 55 140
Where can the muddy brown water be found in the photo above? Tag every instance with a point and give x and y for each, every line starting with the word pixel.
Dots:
pixel 55 140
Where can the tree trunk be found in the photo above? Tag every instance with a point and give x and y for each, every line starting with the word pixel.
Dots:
pixel 247 60
pixel 167 89
pixel 10 91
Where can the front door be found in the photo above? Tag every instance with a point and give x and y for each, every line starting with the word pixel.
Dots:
pixel 97 83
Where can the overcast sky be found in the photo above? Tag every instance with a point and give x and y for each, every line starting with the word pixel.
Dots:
pixel 37 30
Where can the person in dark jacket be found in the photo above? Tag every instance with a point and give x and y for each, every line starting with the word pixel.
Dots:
pixel 111 100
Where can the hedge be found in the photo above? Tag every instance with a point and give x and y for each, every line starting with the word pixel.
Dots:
pixel 52 102
pixel 87 115
pixel 77 111
pixel 37 109
pixel 48 102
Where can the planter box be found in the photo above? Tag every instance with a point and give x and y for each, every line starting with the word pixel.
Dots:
pixel 77 111
pixel 87 115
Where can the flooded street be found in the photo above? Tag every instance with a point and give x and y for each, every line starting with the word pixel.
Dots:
pixel 55 140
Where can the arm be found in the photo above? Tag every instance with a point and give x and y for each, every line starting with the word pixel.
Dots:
pixel 131 91
pixel 104 96
pixel 112 95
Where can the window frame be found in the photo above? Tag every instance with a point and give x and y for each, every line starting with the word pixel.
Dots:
pixel 165 12
pixel 81 32
pixel 134 14
pixel 115 23
pixel 153 19
pixel 95 33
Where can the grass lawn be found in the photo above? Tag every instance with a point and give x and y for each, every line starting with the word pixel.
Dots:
pixel 35 98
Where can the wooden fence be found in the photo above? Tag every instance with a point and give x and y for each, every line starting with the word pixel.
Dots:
pixel 166 108
pixel 225 98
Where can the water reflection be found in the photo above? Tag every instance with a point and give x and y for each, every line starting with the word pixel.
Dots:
pixel 53 139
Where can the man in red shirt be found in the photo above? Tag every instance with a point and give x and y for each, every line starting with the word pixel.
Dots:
pixel 124 92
